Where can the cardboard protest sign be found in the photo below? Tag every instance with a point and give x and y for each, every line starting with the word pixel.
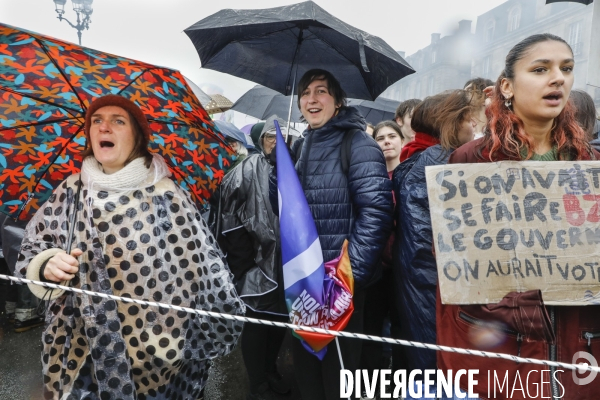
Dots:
pixel 516 226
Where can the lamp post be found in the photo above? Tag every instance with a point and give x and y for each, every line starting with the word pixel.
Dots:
pixel 83 9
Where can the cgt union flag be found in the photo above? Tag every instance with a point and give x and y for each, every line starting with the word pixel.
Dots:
pixel 317 294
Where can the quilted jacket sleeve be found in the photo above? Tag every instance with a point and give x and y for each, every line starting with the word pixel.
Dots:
pixel 371 193
pixel 416 223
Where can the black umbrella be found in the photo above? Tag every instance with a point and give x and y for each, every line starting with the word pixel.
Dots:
pixel 273 46
pixel 261 102
pixel 375 111
pixel 586 2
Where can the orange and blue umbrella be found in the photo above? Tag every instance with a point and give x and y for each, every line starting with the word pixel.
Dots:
pixel 46 86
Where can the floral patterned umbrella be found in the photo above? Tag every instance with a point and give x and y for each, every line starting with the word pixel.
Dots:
pixel 46 86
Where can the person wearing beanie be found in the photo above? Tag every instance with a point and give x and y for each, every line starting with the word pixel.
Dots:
pixel 255 133
pixel 137 235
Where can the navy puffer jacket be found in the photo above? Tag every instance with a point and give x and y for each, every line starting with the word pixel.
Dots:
pixel 330 193
pixel 414 265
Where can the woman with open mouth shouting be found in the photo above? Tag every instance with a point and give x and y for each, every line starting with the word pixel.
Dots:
pixel 137 235
pixel 529 118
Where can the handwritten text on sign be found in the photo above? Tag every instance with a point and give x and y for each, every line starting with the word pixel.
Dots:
pixel 516 226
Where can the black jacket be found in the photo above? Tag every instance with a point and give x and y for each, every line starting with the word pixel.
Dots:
pixel 360 203
pixel 249 234
pixel 11 233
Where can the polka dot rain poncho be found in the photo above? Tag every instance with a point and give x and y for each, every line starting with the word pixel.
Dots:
pixel 142 237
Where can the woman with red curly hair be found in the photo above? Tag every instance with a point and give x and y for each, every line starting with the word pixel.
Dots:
pixel 529 118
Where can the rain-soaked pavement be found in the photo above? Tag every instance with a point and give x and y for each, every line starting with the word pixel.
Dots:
pixel 20 362
pixel 20 368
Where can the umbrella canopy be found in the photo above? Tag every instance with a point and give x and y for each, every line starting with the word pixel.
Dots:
pixel 274 46
pixel 586 2
pixel 218 104
pixel 376 111
pixel 261 102
pixel 46 86
pixel 247 129
pixel 231 131
pixel 203 97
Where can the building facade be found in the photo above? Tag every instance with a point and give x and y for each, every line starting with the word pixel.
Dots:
pixel 497 31
pixel 439 66
pixel 501 28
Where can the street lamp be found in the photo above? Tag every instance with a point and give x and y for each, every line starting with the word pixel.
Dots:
pixel 83 9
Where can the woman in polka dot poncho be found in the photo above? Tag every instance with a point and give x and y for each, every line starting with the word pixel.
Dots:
pixel 137 235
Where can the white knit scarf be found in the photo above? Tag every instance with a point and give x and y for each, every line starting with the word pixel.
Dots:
pixel 131 177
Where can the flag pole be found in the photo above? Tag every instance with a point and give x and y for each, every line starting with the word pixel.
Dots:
pixel 337 344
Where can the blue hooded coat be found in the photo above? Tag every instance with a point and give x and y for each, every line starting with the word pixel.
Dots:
pixel 414 263
pixel 358 205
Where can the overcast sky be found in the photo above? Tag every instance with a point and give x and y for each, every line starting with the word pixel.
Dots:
pixel 152 30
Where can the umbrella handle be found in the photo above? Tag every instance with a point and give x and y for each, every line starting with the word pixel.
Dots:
pixel 218 222
pixel 289 120
pixel 300 40
pixel 73 218
pixel 42 307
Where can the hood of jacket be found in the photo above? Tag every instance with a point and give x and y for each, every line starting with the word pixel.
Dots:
pixel 269 125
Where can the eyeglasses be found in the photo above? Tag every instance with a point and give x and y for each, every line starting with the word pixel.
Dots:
pixel 270 138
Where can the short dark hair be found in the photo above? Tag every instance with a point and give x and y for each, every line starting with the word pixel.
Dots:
pixel 406 107
pixel 478 84
pixel 585 112
pixel 388 124
pixel 333 85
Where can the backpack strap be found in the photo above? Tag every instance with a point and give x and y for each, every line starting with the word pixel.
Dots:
pixel 347 149
pixel 298 150
pixel 345 156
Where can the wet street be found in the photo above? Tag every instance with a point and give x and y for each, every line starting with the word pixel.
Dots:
pixel 20 362
pixel 228 380
pixel 20 368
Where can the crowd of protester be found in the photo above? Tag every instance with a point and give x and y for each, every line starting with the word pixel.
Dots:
pixel 380 205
